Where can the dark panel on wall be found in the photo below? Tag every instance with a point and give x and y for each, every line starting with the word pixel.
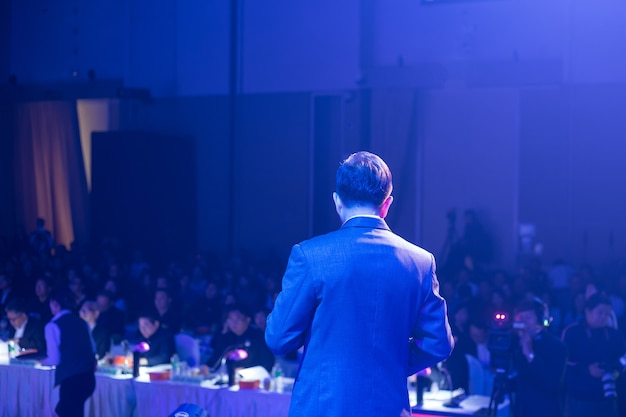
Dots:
pixel 7 208
pixel 272 163
pixel 5 39
pixel 7 217
pixel 326 139
pixel 144 192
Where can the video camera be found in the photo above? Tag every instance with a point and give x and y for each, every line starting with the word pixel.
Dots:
pixel 502 342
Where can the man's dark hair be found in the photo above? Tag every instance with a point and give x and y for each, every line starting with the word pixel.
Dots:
pixel 18 305
pixel 149 314
pixel 167 291
pixel 596 299
pixel 63 297
pixel 363 179
pixel 536 306
pixel 237 307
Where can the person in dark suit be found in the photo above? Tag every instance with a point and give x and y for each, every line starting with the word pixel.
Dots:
pixel 110 318
pixel 100 334
pixel 71 349
pixel 27 331
pixel 160 340
pixel 237 331
pixel 364 303
pixel 39 305
pixel 541 360
pixel 168 314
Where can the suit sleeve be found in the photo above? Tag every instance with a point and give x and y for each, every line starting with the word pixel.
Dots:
pixel 432 339
pixel 38 337
pixel 294 307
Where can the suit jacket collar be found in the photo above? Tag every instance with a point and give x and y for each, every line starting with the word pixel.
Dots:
pixel 366 222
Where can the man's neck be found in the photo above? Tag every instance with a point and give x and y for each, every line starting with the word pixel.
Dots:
pixel 351 213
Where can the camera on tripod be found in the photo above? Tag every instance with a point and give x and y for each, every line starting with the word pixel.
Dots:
pixel 612 371
pixel 501 343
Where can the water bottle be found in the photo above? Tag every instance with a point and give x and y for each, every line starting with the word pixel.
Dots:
pixel 175 365
pixel 11 345
pixel 277 375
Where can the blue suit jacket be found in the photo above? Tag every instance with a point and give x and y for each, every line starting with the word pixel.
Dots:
pixel 355 298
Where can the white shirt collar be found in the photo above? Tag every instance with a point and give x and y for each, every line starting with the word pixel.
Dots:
pixel 19 331
pixel 373 216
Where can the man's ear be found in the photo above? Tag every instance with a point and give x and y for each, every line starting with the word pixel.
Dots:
pixel 384 208
pixel 338 203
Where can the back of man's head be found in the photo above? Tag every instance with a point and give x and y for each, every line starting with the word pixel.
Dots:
pixel 363 179
pixel 63 298
pixel 16 305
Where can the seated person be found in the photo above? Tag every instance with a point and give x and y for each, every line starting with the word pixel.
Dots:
pixel 39 305
pixel 28 332
pixel 168 314
pixel 110 317
pixel 205 314
pixel 160 340
pixel 237 332
pixel 100 334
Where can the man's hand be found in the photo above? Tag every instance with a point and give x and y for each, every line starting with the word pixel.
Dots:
pixel 526 343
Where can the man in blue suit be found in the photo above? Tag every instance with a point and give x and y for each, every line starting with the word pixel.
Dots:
pixel 364 303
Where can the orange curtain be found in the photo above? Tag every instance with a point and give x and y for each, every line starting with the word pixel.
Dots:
pixel 49 172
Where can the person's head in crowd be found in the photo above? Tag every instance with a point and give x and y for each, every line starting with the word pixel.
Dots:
pixel 576 283
pixel 499 279
pixel 478 332
pixel 230 299
pixel 461 318
pixel 498 299
pixel 148 323
pixel 104 301
pixel 162 300
pixel 260 319
pixel 211 291
pixel 76 286
pixel 529 315
pixel 184 282
pixel 16 312
pixel 42 288
pixel 6 282
pixel 114 271
pixel 597 310
pixel 111 287
pixel 89 312
pixel 590 289
pixel 147 280
pixel 363 181
pixel 61 299
pixel 162 282
pixel 237 319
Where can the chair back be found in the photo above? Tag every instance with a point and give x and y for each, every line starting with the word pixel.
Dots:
pixel 188 349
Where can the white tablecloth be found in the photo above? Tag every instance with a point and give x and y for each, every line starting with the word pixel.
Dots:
pixel 29 392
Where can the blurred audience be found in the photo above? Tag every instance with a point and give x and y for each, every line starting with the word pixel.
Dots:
pixel 192 294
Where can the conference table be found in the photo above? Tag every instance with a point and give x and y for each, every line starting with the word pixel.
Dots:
pixel 28 391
